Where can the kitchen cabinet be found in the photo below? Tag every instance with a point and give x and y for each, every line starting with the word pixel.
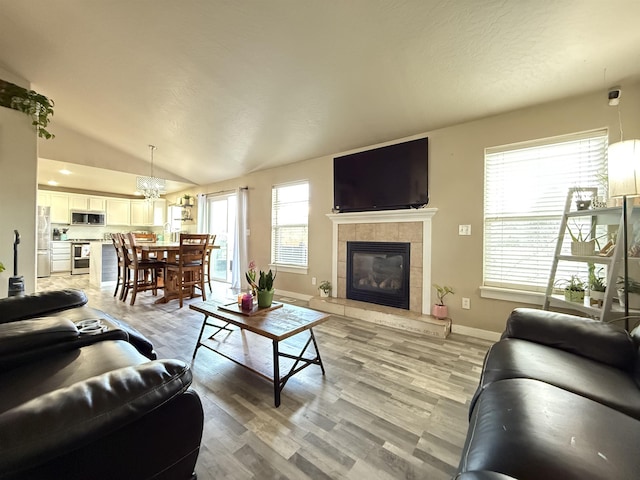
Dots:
pixel 144 213
pixel 118 211
pixel 60 257
pixel 86 203
pixel 44 198
pixel 59 207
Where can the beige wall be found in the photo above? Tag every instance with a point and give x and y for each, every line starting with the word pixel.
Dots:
pixel 456 156
pixel 18 168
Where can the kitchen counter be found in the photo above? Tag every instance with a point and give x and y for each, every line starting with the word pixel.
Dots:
pixel 103 268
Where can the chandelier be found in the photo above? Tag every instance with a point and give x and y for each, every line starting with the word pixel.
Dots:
pixel 151 187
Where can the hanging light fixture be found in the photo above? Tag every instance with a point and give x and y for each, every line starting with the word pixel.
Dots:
pixel 151 187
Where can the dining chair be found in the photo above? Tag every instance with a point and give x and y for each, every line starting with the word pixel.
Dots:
pixel 118 244
pixel 142 273
pixel 188 269
pixel 207 261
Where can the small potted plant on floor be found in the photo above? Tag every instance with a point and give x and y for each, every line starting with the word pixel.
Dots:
pixel 439 309
pixel 325 288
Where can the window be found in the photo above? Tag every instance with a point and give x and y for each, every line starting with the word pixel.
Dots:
pixel 526 187
pixel 290 225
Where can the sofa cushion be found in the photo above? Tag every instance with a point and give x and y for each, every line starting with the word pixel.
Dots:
pixel 514 358
pixel 65 419
pixel 64 369
pixel 531 430
pixel 35 333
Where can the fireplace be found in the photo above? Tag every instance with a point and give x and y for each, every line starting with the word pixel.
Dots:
pixel 378 272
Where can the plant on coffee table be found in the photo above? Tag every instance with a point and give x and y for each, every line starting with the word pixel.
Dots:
pixel 264 286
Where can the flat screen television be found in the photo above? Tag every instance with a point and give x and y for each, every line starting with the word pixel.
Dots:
pixel 385 178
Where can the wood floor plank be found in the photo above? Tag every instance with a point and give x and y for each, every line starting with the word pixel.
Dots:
pixel 392 405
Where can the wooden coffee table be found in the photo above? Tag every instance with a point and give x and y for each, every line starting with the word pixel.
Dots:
pixel 246 344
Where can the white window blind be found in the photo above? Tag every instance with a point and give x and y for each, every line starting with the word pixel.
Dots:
pixel 289 224
pixel 526 187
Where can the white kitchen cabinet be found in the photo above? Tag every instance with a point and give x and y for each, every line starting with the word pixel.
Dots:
pixel 86 203
pixel 78 202
pixel 96 204
pixel 60 257
pixel 118 211
pixel 144 213
pixel 59 207
pixel 44 198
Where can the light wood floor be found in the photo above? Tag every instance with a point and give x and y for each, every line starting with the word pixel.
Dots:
pixel 393 405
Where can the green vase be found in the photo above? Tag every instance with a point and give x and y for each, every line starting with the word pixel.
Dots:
pixel 265 298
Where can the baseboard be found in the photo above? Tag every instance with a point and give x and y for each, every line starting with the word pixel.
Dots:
pixel 296 295
pixel 475 332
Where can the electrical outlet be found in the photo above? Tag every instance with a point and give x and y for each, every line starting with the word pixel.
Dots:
pixel 464 229
pixel 466 303
pixel 313 280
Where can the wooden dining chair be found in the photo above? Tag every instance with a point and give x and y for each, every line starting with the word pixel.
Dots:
pixel 142 274
pixel 207 261
pixel 188 269
pixel 118 244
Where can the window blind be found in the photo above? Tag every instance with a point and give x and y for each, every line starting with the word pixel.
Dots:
pixel 526 187
pixel 289 224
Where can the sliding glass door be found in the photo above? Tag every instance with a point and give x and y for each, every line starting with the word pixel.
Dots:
pixel 222 222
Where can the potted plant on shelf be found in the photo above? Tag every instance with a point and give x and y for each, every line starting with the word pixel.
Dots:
pixel 37 106
pixel 634 292
pixel 597 286
pixel 439 309
pixel 325 288
pixel 264 287
pixel 574 289
pixel 581 244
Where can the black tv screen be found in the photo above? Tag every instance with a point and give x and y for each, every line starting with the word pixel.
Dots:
pixel 385 178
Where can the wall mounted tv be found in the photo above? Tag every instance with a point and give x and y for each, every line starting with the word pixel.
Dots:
pixel 385 178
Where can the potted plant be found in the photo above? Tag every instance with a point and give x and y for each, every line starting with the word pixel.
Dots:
pixel 1 267
pixel 574 289
pixel 583 198
pixel 439 309
pixel 634 292
pixel 325 288
pixel 597 286
pixel 264 287
pixel 582 244
pixel 37 106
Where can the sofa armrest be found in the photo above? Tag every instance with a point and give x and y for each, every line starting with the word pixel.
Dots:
pixel 589 338
pixel 61 421
pixel 40 304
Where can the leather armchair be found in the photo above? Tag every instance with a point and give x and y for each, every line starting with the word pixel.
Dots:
pixel 80 406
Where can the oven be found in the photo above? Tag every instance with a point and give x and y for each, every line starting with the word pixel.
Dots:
pixel 80 258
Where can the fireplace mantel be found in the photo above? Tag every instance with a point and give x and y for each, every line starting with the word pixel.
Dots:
pixel 422 215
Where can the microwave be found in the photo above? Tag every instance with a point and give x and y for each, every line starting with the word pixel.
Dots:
pixel 88 218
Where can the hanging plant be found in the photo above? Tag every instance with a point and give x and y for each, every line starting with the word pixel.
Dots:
pixel 37 106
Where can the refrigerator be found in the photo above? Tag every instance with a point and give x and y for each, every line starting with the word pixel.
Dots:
pixel 43 242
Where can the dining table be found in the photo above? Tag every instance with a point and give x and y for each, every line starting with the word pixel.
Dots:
pixel 168 251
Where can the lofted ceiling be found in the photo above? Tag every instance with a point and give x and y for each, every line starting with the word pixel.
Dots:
pixel 226 87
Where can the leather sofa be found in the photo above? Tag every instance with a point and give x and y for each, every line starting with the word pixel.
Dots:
pixel 82 395
pixel 558 398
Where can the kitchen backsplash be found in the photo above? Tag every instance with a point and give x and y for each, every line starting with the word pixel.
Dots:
pixel 100 233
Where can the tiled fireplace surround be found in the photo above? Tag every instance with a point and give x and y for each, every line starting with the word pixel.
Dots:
pixel 412 226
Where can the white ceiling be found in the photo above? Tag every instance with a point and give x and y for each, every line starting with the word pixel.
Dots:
pixel 228 87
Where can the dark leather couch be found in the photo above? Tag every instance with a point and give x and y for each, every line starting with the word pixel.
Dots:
pixel 93 405
pixel 558 398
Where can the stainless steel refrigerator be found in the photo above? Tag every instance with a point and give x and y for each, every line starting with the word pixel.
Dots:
pixel 43 260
